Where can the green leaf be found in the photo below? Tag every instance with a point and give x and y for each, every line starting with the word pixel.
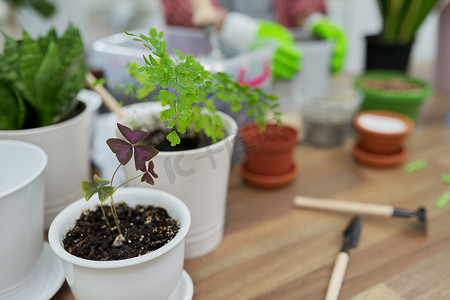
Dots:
pixel 12 109
pixel 152 32
pixel 167 114
pixel 165 95
pixel 172 123
pixel 105 192
pixel 164 84
pixel 89 189
pixel 153 61
pixel 181 128
pixel 173 138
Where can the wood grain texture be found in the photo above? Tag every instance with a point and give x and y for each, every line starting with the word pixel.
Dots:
pixel 273 250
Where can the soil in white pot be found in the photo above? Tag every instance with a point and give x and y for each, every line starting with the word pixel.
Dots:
pixel 145 228
pixel 190 140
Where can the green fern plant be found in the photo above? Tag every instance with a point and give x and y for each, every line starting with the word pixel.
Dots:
pixel 187 90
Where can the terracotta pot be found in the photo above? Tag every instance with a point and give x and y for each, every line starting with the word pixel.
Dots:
pixel 382 132
pixel 269 155
pixel 380 137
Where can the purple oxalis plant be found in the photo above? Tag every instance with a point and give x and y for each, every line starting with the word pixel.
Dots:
pixel 134 146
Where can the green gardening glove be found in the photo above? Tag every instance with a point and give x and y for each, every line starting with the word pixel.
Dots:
pixel 287 56
pixel 328 30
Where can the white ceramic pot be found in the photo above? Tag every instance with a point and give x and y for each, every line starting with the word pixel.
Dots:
pixel 21 218
pixel 150 276
pixel 68 145
pixel 199 177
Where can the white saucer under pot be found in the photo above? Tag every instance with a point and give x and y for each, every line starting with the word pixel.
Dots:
pixel 156 275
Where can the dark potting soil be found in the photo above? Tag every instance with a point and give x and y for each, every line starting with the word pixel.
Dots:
pixel 145 228
pixel 189 140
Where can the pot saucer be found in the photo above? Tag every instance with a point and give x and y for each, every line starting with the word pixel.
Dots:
pixel 378 160
pixel 45 283
pixel 184 289
pixel 268 182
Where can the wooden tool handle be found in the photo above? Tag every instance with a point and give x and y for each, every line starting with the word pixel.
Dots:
pixel 344 206
pixel 337 276
pixel 110 102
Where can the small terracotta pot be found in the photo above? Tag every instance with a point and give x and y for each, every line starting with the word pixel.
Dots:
pixel 380 137
pixel 269 155
pixel 382 132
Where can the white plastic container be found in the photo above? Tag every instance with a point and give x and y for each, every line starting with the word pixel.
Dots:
pixel 156 275
pixel 312 79
pixel 68 145
pixel 199 177
pixel 22 168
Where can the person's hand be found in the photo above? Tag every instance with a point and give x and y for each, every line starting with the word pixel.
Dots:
pixel 326 29
pixel 287 56
pixel 241 33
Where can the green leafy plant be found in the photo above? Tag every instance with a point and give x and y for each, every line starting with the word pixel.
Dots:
pixel 188 90
pixel 134 146
pixel 40 78
pixel 44 8
pixel 402 18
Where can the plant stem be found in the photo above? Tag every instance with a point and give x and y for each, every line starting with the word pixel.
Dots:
pixel 113 207
pixel 104 216
pixel 114 213
pixel 129 180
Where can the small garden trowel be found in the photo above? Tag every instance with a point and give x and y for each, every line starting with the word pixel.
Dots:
pixel 351 239
pixel 361 208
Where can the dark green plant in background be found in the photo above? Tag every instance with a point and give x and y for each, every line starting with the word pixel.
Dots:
pixel 40 78
pixel 188 90
pixel 44 8
pixel 402 18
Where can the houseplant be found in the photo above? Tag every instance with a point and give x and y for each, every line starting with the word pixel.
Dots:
pixel 401 19
pixel 380 137
pixel 41 82
pixel 132 250
pixel 28 265
pixel 269 155
pixel 186 109
pixel 393 91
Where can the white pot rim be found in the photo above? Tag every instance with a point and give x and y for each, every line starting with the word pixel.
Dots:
pixel 225 117
pixel 90 106
pixel 30 176
pixel 55 239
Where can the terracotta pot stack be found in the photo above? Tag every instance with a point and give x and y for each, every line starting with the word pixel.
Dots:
pixel 380 137
pixel 269 155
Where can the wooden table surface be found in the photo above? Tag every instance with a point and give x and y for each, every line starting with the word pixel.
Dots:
pixel 272 250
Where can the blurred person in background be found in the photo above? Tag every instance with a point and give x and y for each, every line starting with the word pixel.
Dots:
pixel 243 24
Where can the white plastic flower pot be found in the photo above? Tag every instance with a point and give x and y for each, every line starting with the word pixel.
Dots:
pixel 68 145
pixel 22 168
pixel 156 275
pixel 311 80
pixel 199 177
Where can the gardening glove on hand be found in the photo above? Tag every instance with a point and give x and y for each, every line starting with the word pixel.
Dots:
pixel 241 33
pixel 328 30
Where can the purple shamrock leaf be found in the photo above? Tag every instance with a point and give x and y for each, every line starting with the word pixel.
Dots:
pixel 151 169
pixel 133 136
pixel 121 149
pixel 147 176
pixel 143 153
